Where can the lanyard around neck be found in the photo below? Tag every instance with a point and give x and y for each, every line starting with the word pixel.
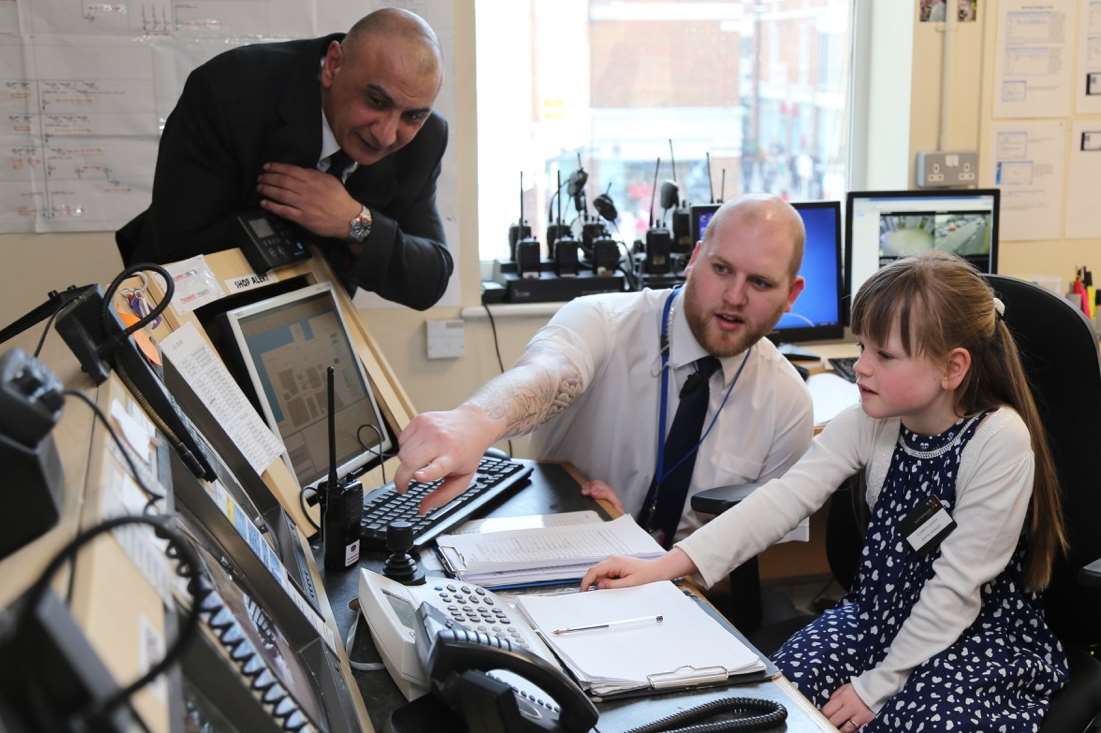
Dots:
pixel 660 474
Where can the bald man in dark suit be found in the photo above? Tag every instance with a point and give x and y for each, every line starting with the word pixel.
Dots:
pixel 334 134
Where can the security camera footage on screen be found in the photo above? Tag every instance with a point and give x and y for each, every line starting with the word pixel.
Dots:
pixel 291 347
pixel 887 226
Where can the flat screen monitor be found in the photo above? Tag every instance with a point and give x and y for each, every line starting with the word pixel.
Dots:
pixel 817 313
pixel 883 226
pixel 286 344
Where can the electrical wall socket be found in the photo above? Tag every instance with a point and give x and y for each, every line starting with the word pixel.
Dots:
pixel 445 339
pixel 940 170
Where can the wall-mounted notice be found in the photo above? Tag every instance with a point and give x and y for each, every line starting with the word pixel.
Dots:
pixel 1088 81
pixel 1027 160
pixel 1084 171
pixel 1033 61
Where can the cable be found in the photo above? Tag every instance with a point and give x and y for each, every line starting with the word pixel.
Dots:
pixel 154 497
pixel 169 291
pixel 302 500
pixel 378 446
pixel 752 714
pixel 188 563
pixel 500 361
pixel 45 332
pixel 359 666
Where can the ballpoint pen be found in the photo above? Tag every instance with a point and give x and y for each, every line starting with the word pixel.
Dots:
pixel 611 625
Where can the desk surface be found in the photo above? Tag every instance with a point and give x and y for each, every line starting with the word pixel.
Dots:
pixel 552 490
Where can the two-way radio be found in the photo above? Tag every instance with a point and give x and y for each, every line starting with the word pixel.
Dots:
pixel 342 509
pixel 526 252
pixel 659 241
pixel 682 211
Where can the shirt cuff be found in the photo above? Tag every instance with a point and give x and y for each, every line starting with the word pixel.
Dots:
pixel 875 687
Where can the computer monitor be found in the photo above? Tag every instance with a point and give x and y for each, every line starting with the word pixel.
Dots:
pixel 883 226
pixel 286 343
pixel 817 313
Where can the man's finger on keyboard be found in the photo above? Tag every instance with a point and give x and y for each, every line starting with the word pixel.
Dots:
pixel 403 476
pixel 448 490
pixel 439 467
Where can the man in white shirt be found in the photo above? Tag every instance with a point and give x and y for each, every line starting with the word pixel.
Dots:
pixel 589 383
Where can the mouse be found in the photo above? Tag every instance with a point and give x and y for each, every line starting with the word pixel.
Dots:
pixel 494 452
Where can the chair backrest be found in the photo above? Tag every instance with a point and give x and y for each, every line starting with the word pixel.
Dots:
pixel 1060 356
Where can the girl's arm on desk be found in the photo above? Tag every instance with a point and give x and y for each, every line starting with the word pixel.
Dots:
pixel 620 572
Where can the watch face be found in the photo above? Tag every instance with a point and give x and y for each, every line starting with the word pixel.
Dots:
pixel 361 226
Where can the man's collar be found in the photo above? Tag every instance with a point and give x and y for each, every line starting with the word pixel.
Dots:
pixel 329 145
pixel 685 349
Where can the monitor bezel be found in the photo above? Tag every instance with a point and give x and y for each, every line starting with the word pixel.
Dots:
pixel 234 318
pixel 823 332
pixel 900 194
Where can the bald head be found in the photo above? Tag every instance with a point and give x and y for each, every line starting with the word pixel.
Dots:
pixel 757 210
pixel 396 24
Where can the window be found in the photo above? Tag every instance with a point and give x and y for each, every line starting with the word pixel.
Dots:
pixel 760 85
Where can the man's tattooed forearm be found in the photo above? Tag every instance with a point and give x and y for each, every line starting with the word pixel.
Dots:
pixel 538 388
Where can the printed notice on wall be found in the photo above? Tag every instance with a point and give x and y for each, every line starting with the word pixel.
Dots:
pixel 1033 59
pixel 1027 158
pixel 1088 81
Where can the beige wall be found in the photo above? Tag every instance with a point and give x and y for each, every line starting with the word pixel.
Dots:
pixel 38 263
pixel 967 113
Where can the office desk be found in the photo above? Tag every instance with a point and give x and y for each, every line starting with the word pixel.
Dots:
pixel 552 490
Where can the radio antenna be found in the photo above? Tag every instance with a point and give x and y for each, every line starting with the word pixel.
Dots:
pixel 710 183
pixel 521 204
pixel 558 174
pixel 722 187
pixel 653 191
pixel 672 160
pixel 331 380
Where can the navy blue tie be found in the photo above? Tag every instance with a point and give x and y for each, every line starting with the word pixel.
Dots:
pixel 665 503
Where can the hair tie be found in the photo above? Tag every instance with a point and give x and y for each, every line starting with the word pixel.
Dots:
pixel 999 307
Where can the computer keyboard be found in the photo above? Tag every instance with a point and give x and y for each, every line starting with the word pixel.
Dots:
pixel 844 367
pixel 494 477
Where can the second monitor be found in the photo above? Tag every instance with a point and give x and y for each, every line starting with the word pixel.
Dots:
pixel 883 226
pixel 286 343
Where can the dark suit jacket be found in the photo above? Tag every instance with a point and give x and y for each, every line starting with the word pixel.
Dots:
pixel 262 103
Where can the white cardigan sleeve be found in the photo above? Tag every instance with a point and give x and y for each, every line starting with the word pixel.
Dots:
pixel 775 508
pixel 993 489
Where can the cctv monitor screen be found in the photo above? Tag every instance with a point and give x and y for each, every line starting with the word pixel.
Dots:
pixel 287 343
pixel 883 226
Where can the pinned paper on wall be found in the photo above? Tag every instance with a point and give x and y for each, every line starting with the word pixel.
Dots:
pixel 1033 61
pixel 1027 165
pixel 1088 95
pixel 1084 171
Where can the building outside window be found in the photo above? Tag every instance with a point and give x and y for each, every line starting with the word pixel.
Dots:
pixel 761 86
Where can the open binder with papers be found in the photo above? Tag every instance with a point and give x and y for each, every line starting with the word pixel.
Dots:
pixel 642 639
pixel 538 555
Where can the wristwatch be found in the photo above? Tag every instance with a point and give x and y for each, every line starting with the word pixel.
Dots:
pixel 361 226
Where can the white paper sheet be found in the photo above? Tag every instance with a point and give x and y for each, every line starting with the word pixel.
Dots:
pixel 1026 162
pixel 1088 81
pixel 830 394
pixel 1033 61
pixel 1083 180
pixel 204 372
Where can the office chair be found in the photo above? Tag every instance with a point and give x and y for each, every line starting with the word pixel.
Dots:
pixel 1060 356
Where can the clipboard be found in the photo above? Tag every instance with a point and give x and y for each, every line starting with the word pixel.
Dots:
pixel 703 681
pixel 684 652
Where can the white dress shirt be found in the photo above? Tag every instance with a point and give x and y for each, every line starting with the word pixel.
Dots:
pixel 610 431
pixel 329 145
pixel 993 489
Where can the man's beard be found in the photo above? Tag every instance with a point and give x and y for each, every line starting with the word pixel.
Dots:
pixel 717 342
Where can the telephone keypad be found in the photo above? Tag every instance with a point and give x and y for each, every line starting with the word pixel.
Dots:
pixel 475 605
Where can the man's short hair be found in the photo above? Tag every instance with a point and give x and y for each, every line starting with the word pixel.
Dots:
pixel 399 23
pixel 753 208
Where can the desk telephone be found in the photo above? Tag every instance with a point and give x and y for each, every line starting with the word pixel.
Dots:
pixel 458 632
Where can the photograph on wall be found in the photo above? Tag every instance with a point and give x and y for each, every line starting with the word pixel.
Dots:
pixel 932 11
pixel 967 11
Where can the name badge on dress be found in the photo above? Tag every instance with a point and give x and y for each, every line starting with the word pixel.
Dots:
pixel 927 525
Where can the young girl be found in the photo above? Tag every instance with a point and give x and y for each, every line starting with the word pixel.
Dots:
pixel 944 630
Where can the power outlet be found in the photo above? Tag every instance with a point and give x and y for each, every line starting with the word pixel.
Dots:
pixel 445 339
pixel 942 170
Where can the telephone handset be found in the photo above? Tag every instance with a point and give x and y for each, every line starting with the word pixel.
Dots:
pixel 461 663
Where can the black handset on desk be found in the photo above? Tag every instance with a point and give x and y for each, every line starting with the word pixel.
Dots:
pixel 459 659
